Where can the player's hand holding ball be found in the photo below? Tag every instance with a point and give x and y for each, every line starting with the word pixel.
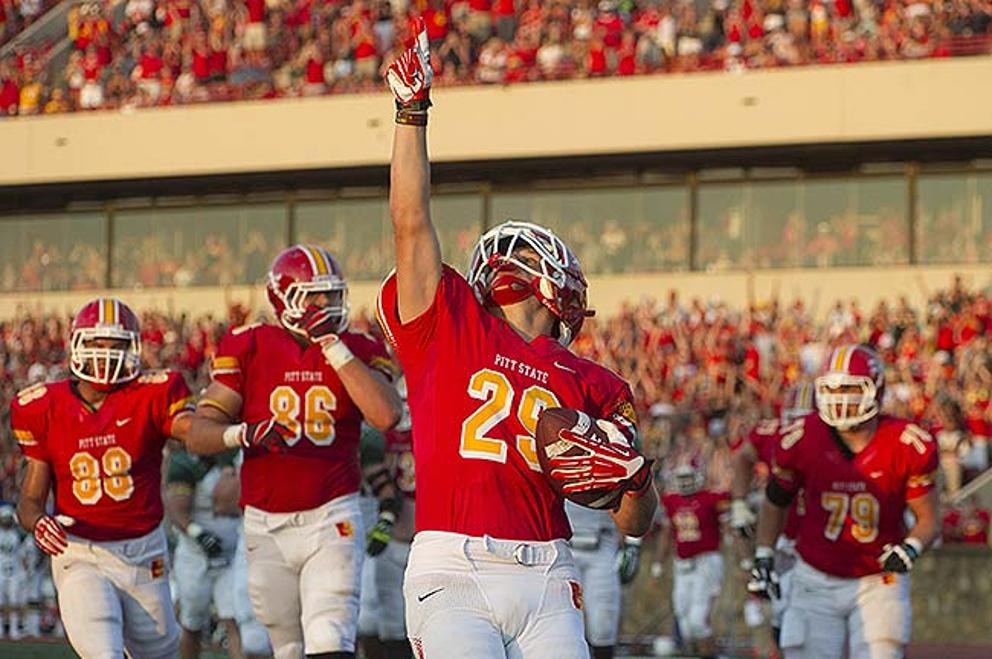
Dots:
pixel 589 461
pixel 50 536
pixel 410 76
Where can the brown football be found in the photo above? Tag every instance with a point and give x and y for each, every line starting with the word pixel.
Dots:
pixel 549 424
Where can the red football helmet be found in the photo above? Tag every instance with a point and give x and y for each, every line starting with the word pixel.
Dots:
pixel 300 271
pixel 799 401
pixel 501 275
pixel 849 392
pixel 105 367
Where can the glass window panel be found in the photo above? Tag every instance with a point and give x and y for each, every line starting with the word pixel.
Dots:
pixel 355 231
pixel 459 223
pixel 982 203
pixel 857 221
pixel 630 230
pixel 947 229
pixel 53 252
pixel 204 246
pixel 720 231
pixel 775 230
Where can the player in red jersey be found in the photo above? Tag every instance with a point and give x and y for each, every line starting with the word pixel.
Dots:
pixel 756 449
pixel 97 439
pixel 490 573
pixel 293 396
pixel 856 470
pixel 694 524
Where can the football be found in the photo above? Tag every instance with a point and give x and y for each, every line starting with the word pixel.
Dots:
pixel 552 421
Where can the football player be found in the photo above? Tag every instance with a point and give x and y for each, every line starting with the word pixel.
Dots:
pixel 12 573
pixel 490 573
pixel 757 449
pixel 97 439
pixel 694 517
pixel 856 471
pixel 204 553
pixel 293 395
pixel 605 564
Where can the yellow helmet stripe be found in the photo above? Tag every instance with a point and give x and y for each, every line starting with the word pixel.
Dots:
pixel 840 355
pixel 319 260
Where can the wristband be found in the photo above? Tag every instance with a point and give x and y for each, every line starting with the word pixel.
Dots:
pixel 194 530
pixel 763 552
pixel 336 353
pixel 388 516
pixel 915 543
pixel 405 118
pixel 233 434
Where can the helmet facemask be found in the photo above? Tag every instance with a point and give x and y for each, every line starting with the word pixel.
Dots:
pixel 688 480
pixel 104 367
pixel 295 300
pixel 845 401
pixel 515 260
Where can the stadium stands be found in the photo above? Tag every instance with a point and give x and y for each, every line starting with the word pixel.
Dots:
pixel 139 53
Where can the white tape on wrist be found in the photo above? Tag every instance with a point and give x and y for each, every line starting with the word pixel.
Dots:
pixel 336 353
pixel 233 434
pixel 193 530
pixel 915 544
pixel 764 552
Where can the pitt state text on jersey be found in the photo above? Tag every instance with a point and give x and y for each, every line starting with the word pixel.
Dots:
pixel 695 520
pixel 106 463
pixel 476 391
pixel 854 503
pixel 763 438
pixel 279 378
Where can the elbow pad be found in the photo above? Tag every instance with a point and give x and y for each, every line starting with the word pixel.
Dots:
pixel 778 495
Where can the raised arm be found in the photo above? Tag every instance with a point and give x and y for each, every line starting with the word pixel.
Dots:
pixel 418 253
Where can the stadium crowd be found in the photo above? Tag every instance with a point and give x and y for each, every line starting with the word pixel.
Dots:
pixel 702 372
pixel 169 52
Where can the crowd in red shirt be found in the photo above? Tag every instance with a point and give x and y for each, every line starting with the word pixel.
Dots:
pixel 190 51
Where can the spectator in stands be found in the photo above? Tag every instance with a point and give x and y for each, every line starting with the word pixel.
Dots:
pixel 967 523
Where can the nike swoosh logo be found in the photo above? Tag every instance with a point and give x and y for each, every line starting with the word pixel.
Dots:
pixel 421 598
pixel 123 422
pixel 564 368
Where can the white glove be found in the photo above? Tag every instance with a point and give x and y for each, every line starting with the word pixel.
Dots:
pixel 742 518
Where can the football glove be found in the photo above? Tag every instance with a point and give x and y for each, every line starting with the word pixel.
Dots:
pixel 900 557
pixel 742 518
pixel 611 465
pixel 629 560
pixel 380 534
pixel 50 536
pixel 320 323
pixel 764 580
pixel 269 434
pixel 209 543
pixel 410 75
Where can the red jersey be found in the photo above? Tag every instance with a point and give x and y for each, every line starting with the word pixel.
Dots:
pixel 476 389
pixel 279 378
pixel 854 503
pixel 695 520
pixel 106 463
pixel 763 438
pixel 399 461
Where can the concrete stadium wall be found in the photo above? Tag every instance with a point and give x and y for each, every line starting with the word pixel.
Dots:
pixel 817 288
pixel 864 102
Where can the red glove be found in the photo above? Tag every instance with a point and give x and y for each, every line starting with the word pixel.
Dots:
pixel 269 434
pixel 601 465
pixel 320 323
pixel 410 75
pixel 50 536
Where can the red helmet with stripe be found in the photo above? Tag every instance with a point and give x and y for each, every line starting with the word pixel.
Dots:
pixel 800 400
pixel 301 271
pixel 849 391
pixel 108 365
pixel 500 274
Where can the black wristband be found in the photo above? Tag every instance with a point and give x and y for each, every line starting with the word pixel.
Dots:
pixel 416 106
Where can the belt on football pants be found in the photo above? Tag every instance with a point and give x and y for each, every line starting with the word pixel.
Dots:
pixel 527 554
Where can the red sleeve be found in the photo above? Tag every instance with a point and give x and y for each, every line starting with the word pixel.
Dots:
pixel 178 401
pixel 618 407
pixel 228 365
pixel 923 461
pixel 372 352
pixel 786 458
pixel 453 296
pixel 29 421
